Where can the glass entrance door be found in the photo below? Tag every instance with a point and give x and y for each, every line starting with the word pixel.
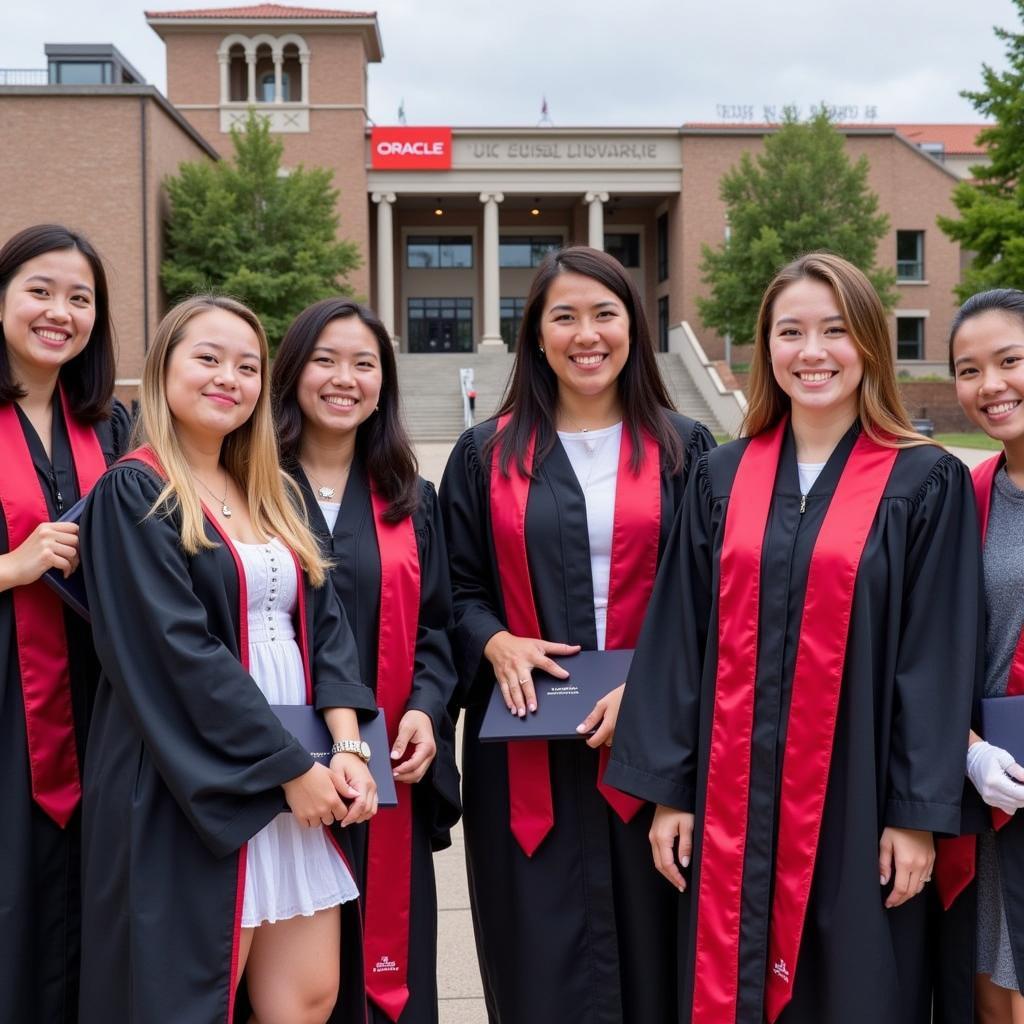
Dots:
pixel 440 325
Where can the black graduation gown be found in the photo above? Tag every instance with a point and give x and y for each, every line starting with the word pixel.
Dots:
pixel 352 547
pixel 39 861
pixel 582 931
pixel 900 735
pixel 185 765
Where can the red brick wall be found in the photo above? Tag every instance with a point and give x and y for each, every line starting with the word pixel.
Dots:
pixel 912 189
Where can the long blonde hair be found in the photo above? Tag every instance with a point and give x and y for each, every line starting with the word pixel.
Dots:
pixel 249 453
pixel 883 416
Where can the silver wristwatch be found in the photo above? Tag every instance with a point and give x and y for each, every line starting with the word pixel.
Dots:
pixel 358 747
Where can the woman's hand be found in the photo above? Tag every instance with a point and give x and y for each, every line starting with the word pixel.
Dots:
pixel 48 546
pixel 671 839
pixel 514 658
pixel 415 734
pixel 314 797
pixel 356 784
pixel 912 854
pixel 603 718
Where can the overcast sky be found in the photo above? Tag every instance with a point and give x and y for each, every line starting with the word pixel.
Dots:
pixel 612 62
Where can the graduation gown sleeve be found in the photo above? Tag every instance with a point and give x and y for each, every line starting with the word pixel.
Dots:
pixel 433 682
pixel 465 508
pixel 210 732
pixel 335 659
pixel 932 701
pixel 654 754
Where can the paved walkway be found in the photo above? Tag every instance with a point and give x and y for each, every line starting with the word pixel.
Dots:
pixel 458 978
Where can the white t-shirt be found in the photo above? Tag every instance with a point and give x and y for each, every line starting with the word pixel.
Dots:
pixel 594 455
pixel 330 510
pixel 809 472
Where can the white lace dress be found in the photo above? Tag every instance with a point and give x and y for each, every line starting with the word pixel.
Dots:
pixel 290 869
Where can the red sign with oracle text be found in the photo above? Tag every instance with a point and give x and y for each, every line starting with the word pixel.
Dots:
pixel 407 148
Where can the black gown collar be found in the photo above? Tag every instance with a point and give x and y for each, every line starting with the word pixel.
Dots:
pixel 788 479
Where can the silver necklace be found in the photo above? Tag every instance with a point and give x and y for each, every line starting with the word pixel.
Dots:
pixel 326 493
pixel 225 509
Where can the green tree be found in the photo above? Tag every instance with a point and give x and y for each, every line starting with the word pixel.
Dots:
pixel 800 193
pixel 991 222
pixel 244 228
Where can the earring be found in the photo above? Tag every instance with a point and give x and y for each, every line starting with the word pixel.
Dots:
pixel 541 347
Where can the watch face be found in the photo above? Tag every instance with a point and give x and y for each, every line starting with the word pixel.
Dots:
pixel 364 750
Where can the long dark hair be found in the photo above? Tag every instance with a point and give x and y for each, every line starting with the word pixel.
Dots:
pixel 88 379
pixel 1000 300
pixel 382 443
pixel 532 394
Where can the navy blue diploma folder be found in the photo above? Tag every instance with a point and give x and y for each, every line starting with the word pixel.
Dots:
pixel 1002 724
pixel 72 589
pixel 561 703
pixel 307 725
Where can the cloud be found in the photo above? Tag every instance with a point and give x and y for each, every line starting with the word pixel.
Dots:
pixel 609 62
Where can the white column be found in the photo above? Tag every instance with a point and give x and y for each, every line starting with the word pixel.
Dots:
pixel 304 62
pixel 224 60
pixel 278 83
pixel 595 219
pixel 250 60
pixel 385 262
pixel 492 274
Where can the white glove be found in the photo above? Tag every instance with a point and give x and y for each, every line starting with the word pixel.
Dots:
pixel 996 776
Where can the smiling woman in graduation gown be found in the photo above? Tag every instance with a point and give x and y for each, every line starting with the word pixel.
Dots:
pixel 337 410
pixel 804 679
pixel 980 874
pixel 571 924
pixel 189 762
pixel 58 432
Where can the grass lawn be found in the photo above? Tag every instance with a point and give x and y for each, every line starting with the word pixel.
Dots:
pixel 974 440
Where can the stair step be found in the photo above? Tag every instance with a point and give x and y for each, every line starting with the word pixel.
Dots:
pixel 433 404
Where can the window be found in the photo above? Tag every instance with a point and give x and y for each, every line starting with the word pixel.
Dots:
pixel 433 251
pixel 663 247
pixel 81 72
pixel 663 324
pixel 264 74
pixel 910 255
pixel 526 250
pixel 910 337
pixel 625 247
pixel 511 313
pixel 440 325
pixel 238 74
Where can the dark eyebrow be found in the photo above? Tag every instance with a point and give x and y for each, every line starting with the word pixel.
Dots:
pixel 998 352
pixel 50 281
pixel 597 305
pixel 220 348
pixel 796 320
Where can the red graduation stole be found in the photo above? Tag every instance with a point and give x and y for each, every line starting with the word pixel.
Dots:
pixel 39 616
pixel 821 655
pixel 389 865
pixel 955 863
pixel 634 563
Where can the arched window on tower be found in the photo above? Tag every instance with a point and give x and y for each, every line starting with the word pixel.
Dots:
pixel 238 85
pixel 264 74
pixel 291 83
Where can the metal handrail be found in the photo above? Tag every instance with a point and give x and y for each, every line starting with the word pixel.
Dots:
pixel 24 76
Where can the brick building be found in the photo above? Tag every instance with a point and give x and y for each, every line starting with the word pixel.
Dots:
pixel 450 221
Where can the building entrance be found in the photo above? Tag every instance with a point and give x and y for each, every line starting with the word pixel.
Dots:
pixel 440 325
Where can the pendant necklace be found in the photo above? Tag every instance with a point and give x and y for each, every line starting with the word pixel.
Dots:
pixel 225 509
pixel 326 493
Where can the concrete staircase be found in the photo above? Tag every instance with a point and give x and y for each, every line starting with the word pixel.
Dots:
pixel 433 402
